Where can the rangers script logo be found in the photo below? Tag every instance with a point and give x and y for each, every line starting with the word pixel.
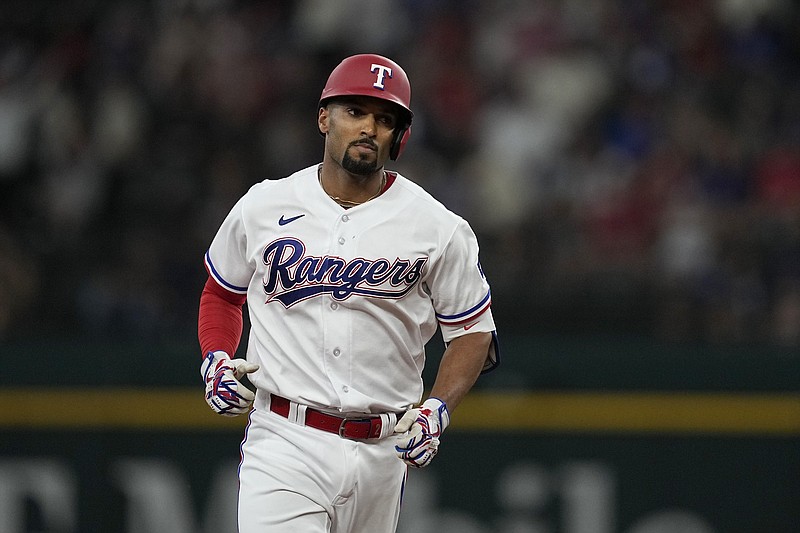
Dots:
pixel 293 277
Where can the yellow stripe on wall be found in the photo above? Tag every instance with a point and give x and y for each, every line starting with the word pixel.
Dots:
pixel 777 414
pixel 592 412
pixel 114 408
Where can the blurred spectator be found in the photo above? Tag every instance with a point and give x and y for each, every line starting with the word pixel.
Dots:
pixel 19 285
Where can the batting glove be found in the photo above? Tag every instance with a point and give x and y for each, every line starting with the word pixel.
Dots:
pixel 418 432
pixel 224 392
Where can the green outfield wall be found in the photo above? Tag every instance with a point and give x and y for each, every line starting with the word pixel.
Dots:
pixel 570 435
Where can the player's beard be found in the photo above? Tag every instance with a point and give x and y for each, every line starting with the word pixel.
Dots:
pixel 359 167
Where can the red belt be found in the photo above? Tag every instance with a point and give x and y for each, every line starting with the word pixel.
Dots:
pixel 349 428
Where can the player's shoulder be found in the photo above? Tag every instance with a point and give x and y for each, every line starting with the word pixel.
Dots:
pixel 423 201
pixel 276 186
pixel 275 183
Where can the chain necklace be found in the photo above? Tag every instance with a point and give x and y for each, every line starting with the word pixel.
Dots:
pixel 347 204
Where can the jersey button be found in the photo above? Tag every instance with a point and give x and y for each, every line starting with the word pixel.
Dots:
pixel 345 388
pixel 341 240
pixel 334 306
pixel 337 352
pixel 345 218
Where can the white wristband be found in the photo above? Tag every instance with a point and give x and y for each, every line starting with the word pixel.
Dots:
pixel 210 362
pixel 438 406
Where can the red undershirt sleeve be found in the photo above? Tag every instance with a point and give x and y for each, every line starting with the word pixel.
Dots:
pixel 219 322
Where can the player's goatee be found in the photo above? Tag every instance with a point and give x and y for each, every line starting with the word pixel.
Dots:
pixel 359 167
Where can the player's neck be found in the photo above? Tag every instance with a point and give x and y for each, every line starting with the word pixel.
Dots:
pixel 350 190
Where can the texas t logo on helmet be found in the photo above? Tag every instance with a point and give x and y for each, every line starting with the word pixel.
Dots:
pixel 382 71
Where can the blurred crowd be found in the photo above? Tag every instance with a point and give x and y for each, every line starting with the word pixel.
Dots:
pixel 627 165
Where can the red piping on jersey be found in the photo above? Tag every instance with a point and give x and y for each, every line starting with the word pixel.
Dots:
pixel 390 177
pixel 472 318
pixel 219 321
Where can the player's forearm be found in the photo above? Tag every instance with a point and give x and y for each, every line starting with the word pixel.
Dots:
pixel 461 365
pixel 219 321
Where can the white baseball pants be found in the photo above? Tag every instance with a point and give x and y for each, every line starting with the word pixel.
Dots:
pixel 294 478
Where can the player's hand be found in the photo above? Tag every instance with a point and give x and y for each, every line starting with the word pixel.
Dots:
pixel 418 432
pixel 224 392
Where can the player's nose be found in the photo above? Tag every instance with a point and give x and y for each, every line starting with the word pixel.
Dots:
pixel 369 125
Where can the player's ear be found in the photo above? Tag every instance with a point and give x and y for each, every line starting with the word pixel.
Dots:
pixel 322 120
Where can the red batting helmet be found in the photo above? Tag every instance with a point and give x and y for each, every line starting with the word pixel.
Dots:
pixel 379 77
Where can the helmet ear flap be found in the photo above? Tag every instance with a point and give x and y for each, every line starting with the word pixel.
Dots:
pixel 399 142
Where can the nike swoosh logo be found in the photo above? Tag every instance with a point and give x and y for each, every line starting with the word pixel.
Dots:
pixel 283 221
pixel 467 328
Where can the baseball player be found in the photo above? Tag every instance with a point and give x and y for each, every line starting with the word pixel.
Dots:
pixel 347 270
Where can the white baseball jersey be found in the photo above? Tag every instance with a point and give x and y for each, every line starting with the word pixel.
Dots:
pixel 342 302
